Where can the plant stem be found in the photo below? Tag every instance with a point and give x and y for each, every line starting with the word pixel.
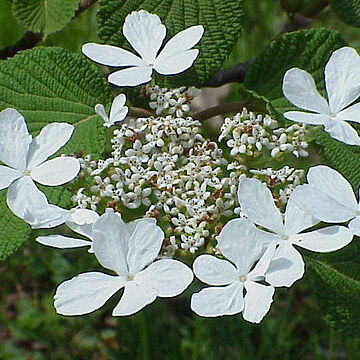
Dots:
pixel 140 112
pixel 224 109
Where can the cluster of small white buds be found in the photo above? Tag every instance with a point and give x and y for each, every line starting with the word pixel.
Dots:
pixel 249 134
pixel 171 101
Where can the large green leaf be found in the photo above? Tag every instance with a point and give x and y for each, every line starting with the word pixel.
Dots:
pixel 45 16
pixel 336 278
pixel 306 49
pixel 347 10
pixel 52 85
pixel 222 20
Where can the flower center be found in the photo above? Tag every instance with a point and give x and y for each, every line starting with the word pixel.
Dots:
pixel 242 278
pixel 284 237
pixel 130 277
pixel 151 65
pixel 27 172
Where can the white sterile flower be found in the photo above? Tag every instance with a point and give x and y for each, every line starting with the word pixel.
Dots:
pixel 329 197
pixel 118 111
pixel 239 242
pixel 25 158
pixel 129 250
pixel 257 204
pixel 342 81
pixel 146 33
pixel 79 221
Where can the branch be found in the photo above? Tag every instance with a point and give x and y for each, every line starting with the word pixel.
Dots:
pixel 234 73
pixel 224 109
pixel 30 39
pixel 140 112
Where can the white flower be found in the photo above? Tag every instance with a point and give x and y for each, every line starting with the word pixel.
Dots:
pixel 80 221
pixel 258 206
pixel 239 242
pixel 342 80
pixel 329 197
pixel 25 159
pixel 118 111
pixel 146 33
pixel 129 250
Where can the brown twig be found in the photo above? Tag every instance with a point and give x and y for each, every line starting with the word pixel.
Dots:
pixel 140 112
pixel 30 39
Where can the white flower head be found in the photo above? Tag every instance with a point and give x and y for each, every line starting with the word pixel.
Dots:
pixel 329 197
pixel 239 241
pixel 146 33
pixel 129 250
pixel 342 81
pixel 25 160
pixel 80 221
pixel 118 111
pixel 258 206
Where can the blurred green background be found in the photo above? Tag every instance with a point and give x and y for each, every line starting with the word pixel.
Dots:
pixel 30 328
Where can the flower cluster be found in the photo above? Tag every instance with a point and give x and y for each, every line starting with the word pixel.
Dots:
pixel 178 190
pixel 250 134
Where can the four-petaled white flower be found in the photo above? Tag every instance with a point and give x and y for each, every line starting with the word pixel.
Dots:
pixel 342 81
pixel 146 33
pixel 25 159
pixel 258 206
pixel 79 221
pixel 129 250
pixel 239 241
pixel 329 197
pixel 118 111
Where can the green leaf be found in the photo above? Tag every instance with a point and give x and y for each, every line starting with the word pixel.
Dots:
pixel 343 158
pixel 336 278
pixel 306 49
pixel 347 10
pixel 45 16
pixel 13 231
pixel 222 20
pixel 53 85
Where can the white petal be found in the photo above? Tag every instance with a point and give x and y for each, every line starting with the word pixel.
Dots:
pixel 327 239
pixel 354 226
pixel 258 299
pixel 56 171
pixel 81 221
pixel 287 266
pixel 263 264
pixel 332 183
pixel 52 137
pixel 257 203
pixel 307 118
pixel 169 277
pixel 131 77
pixel 15 139
pixel 342 131
pixel 7 176
pixel 218 301
pixel 144 245
pixel 62 242
pixel 27 202
pixel 300 89
pixel 175 56
pixel 110 242
pixel 320 205
pixel 342 78
pixel 100 110
pixel 296 219
pixel 134 298
pixel 242 243
pixel 177 63
pixel 118 111
pixel 86 292
pixel 111 55
pixel 214 271
pixel 145 33
pixel 352 113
